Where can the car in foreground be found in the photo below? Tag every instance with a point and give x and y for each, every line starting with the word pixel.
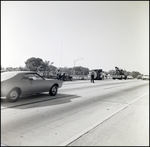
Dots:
pixel 17 83
pixel 145 77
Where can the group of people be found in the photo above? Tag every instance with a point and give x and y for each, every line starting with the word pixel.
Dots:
pixel 63 76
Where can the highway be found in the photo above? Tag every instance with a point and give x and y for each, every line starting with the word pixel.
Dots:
pixel 107 112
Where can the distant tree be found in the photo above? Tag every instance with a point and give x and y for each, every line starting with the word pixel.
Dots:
pixel 85 70
pixel 33 63
pixel 65 70
pixel 9 68
pixel 49 68
pixel 79 70
pixel 111 72
pixel 128 73
pixel 135 74
pixel 23 68
pixel 43 66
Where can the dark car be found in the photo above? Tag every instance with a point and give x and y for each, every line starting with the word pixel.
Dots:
pixel 65 77
pixel 139 77
pixel 145 77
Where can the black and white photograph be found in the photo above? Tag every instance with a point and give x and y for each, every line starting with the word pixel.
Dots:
pixel 74 73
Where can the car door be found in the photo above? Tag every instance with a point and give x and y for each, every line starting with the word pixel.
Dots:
pixel 38 83
pixel 25 84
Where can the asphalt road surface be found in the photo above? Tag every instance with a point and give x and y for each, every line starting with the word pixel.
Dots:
pixel 107 112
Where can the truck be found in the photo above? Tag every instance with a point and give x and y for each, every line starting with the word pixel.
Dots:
pixel 119 74
pixel 98 74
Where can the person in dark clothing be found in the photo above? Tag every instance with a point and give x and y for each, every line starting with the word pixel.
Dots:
pixel 64 77
pixel 92 77
pixel 59 75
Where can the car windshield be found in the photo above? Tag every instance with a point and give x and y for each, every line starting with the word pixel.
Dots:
pixel 5 75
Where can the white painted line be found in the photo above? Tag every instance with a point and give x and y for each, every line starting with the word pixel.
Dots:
pixel 137 98
pixel 67 142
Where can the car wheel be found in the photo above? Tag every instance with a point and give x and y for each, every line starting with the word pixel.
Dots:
pixel 120 78
pixel 53 90
pixel 13 95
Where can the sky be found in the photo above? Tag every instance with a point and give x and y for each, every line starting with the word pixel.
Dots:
pixel 91 34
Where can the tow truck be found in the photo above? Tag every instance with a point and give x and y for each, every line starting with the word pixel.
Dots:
pixel 119 74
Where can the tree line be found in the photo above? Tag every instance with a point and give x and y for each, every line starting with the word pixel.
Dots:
pixel 47 67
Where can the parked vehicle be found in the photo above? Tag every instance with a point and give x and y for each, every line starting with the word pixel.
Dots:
pixel 65 77
pixel 120 74
pixel 129 77
pixel 145 77
pixel 16 83
pixel 139 77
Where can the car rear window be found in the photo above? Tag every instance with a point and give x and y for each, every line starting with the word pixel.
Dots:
pixel 5 75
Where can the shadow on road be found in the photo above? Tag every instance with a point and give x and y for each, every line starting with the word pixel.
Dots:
pixel 38 100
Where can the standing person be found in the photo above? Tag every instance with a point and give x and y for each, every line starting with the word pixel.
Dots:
pixel 64 77
pixel 58 75
pixel 92 77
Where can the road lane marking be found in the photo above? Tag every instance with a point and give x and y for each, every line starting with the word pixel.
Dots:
pixel 72 139
pixel 114 87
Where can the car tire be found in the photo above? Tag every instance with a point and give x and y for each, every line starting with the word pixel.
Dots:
pixel 53 90
pixel 13 95
pixel 120 78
